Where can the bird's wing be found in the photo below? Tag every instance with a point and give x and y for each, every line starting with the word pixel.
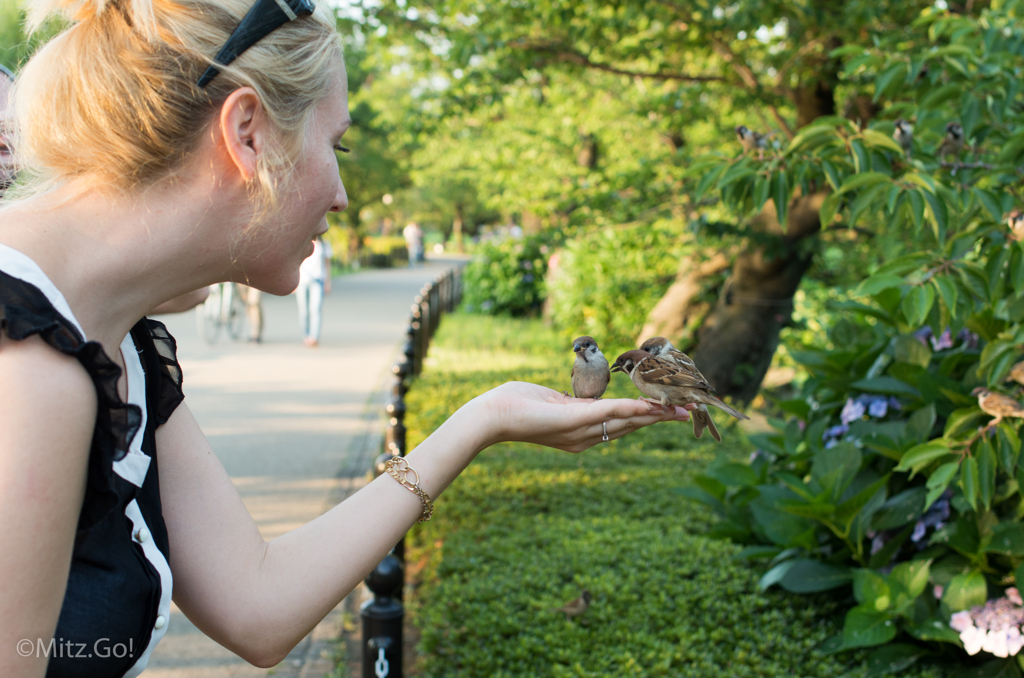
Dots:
pixel 669 373
pixel 686 362
pixel 998 404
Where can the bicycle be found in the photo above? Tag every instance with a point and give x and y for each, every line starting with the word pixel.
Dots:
pixel 225 308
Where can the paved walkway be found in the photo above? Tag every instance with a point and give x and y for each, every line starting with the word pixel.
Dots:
pixel 296 428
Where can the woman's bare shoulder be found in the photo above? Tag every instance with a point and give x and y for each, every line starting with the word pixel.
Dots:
pixel 39 376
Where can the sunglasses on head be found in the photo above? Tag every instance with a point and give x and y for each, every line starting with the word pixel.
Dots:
pixel 265 17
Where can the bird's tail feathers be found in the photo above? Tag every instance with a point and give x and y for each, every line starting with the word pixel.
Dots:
pixel 722 406
pixel 702 420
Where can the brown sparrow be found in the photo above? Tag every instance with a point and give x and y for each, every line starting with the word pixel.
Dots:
pixel 575 607
pixel 668 383
pixel 997 405
pixel 660 347
pixel 1015 220
pixel 751 140
pixel 1017 373
pixel 590 375
pixel 904 136
pixel 952 143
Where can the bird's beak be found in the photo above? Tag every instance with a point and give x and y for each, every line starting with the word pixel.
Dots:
pixel 617 368
pixel 576 348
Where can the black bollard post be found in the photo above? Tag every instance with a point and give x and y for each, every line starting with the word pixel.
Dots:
pixel 382 621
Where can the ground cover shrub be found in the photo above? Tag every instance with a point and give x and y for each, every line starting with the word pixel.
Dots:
pixel 524 529
pixel 506 277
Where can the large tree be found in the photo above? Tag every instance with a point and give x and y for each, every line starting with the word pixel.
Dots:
pixel 772 65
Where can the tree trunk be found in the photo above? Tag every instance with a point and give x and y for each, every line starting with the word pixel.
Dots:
pixel 679 311
pixel 739 336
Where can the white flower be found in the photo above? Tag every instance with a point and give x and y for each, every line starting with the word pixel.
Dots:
pixel 1014 640
pixel 995 643
pixel 961 621
pixel 972 638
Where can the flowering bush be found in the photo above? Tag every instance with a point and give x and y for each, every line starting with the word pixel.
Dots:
pixel 885 475
pixel 506 277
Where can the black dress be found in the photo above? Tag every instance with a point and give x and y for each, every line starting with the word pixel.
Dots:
pixel 117 602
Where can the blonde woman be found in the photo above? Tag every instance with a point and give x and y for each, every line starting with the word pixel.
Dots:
pixel 166 145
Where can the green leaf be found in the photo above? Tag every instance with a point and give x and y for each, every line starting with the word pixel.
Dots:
pixel 934 629
pixel 886 385
pixel 947 290
pixel 962 420
pixel 871 590
pixel 919 456
pixel 1009 447
pixel 866 627
pixel 940 215
pixel 860 156
pixel 907 349
pixel 699 495
pixel 893 659
pixel 733 474
pixel 986 473
pixel 857 182
pixel 889 79
pixel 916 207
pixel 939 480
pixel 875 139
pixel 835 468
pixel 990 203
pixel 877 283
pixel 917 303
pixel 775 575
pixel 812 576
pixel 969 482
pixel 762 189
pixel 966 591
pixel 997 668
pixel 780 195
pixel 1007 539
pixel 900 509
pixel 911 576
pixel 921 423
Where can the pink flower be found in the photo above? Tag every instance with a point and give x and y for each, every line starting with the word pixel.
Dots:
pixel 1014 595
pixel 961 621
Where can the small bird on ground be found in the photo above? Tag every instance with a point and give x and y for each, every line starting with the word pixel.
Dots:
pixel 904 136
pixel 952 143
pixel 997 405
pixel 668 383
pixel 590 374
pixel 575 607
pixel 660 347
pixel 751 140
pixel 1015 220
pixel 1017 373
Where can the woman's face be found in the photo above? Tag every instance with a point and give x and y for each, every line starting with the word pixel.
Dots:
pixel 316 189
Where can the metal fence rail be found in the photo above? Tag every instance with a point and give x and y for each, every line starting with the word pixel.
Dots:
pixel 382 615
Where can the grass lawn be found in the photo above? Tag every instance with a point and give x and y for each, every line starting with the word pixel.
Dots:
pixel 525 529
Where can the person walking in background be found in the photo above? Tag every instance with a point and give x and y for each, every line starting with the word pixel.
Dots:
pixel 253 312
pixel 314 283
pixel 414 242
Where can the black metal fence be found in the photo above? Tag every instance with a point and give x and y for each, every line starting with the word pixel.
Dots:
pixel 382 615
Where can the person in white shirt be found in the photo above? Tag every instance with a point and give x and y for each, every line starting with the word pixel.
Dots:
pixel 314 283
pixel 414 242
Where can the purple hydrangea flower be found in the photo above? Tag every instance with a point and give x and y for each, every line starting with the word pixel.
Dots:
pixel 878 408
pixel 894 404
pixel 924 334
pixel 852 411
pixel 943 341
pixel 969 338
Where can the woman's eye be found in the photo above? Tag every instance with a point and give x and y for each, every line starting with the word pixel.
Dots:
pixel 341 149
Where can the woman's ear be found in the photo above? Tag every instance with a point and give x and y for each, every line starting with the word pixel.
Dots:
pixel 243 127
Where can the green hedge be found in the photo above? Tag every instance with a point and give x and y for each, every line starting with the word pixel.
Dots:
pixel 524 529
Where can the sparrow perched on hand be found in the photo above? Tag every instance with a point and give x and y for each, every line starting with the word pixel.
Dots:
pixel 660 347
pixel 1015 220
pixel 575 607
pixel 750 140
pixel 904 136
pixel 590 374
pixel 1016 373
pixel 667 382
pixel 952 143
pixel 997 405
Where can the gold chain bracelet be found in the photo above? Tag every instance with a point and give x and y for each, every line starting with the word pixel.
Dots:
pixel 399 469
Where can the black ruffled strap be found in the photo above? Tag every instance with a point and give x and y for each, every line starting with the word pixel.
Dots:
pixel 25 311
pixel 158 352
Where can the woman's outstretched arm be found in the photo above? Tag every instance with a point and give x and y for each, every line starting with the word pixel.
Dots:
pixel 260 599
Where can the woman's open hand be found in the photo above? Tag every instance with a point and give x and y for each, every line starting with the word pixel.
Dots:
pixel 530 413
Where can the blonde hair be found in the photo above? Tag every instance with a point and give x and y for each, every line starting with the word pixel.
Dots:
pixel 113 99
